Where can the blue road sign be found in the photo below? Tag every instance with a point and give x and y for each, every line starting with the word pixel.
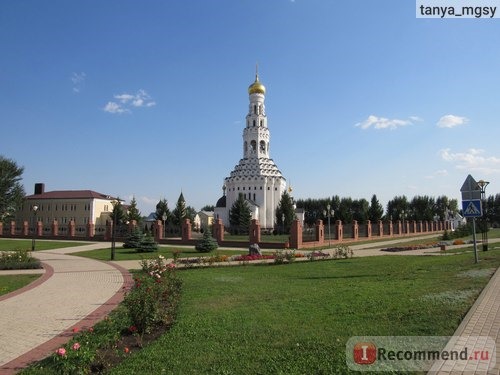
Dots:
pixel 472 208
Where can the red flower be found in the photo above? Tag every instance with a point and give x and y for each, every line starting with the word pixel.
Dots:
pixel 126 350
pixel 75 330
pixel 132 329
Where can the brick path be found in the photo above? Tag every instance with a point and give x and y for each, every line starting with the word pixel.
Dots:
pixel 74 292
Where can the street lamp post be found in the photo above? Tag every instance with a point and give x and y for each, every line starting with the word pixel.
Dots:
pixel 164 218
pixel 403 214
pixel 484 233
pixel 113 230
pixel 329 213
pixel 35 209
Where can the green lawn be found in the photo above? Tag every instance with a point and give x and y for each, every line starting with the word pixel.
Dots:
pixel 166 251
pixel 7 244
pixel 296 319
pixel 9 283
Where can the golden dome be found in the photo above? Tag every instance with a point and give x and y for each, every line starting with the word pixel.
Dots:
pixel 256 87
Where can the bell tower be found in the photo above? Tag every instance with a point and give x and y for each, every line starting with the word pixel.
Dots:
pixel 256 176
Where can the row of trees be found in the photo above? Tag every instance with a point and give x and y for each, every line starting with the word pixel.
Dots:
pixel 399 208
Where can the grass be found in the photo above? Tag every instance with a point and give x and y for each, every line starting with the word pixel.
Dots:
pixel 9 244
pixel 296 318
pixel 166 251
pixel 9 283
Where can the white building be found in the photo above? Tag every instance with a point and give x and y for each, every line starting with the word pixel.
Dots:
pixel 256 176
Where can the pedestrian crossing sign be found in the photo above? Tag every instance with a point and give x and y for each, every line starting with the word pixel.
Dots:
pixel 472 208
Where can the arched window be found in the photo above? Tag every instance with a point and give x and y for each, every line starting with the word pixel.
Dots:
pixel 253 122
pixel 253 145
pixel 262 146
pixel 254 109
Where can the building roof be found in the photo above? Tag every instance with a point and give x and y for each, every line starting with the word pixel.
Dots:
pixel 71 194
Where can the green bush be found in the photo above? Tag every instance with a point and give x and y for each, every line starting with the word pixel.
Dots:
pixel 133 241
pixel 153 299
pixel 147 244
pixel 207 243
pixel 18 260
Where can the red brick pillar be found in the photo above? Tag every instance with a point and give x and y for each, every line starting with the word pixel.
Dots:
pixel 12 228
pixel 414 225
pixel 71 228
pixel 254 235
pixel 339 230
pixel 320 232
pixel 391 229
pixel 380 228
pixel 355 230
pixel 55 228
pixel 26 228
pixel 368 229
pixel 157 230
pixel 218 230
pixel 1 229
pixel 296 235
pixel 90 229
pixel 186 230
pixel 400 227
pixel 39 228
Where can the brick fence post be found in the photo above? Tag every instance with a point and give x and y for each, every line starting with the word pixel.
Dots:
pixel 186 230
pixel 380 228
pixel 320 232
pixel 26 228
pixel 368 229
pixel 218 231
pixel 12 228
pixel 339 230
pixel 355 230
pixel 1 229
pixel 55 228
pixel 391 228
pixel 71 228
pixel 90 229
pixel 296 235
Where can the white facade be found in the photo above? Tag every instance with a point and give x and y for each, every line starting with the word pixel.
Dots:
pixel 256 176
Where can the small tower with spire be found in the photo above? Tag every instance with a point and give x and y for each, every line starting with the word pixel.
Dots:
pixel 256 176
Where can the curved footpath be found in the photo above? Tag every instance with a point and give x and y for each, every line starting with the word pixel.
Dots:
pixel 74 292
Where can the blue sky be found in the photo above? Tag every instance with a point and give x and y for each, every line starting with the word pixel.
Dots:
pixel 148 98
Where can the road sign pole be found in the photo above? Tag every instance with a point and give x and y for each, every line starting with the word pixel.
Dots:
pixel 476 260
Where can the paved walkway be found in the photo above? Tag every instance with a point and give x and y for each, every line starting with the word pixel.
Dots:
pixel 77 292
pixel 73 292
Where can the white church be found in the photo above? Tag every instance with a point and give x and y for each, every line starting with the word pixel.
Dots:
pixel 256 176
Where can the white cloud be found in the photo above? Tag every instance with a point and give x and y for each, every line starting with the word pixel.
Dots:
pixel 127 101
pixel 113 107
pixel 78 80
pixel 451 121
pixel 385 123
pixel 472 160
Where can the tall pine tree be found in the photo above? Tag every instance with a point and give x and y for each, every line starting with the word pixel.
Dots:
pixel 376 210
pixel 285 212
pixel 133 212
pixel 179 212
pixel 240 216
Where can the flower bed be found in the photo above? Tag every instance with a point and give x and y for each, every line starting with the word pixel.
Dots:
pixel 411 247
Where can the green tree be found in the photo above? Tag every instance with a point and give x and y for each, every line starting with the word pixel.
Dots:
pixel 376 210
pixel 208 208
pixel 118 214
pixel 133 212
pixel 285 212
pixel 360 210
pixel 207 243
pixel 133 240
pixel 179 212
pixel 398 208
pixel 11 190
pixel 240 216
pixel 162 209
pixel 147 244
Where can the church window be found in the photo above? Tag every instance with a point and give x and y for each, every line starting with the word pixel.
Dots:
pixel 253 122
pixel 238 188
pixel 262 146
pixel 254 196
pixel 261 188
pixel 253 144
pixel 255 109
pixel 261 122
